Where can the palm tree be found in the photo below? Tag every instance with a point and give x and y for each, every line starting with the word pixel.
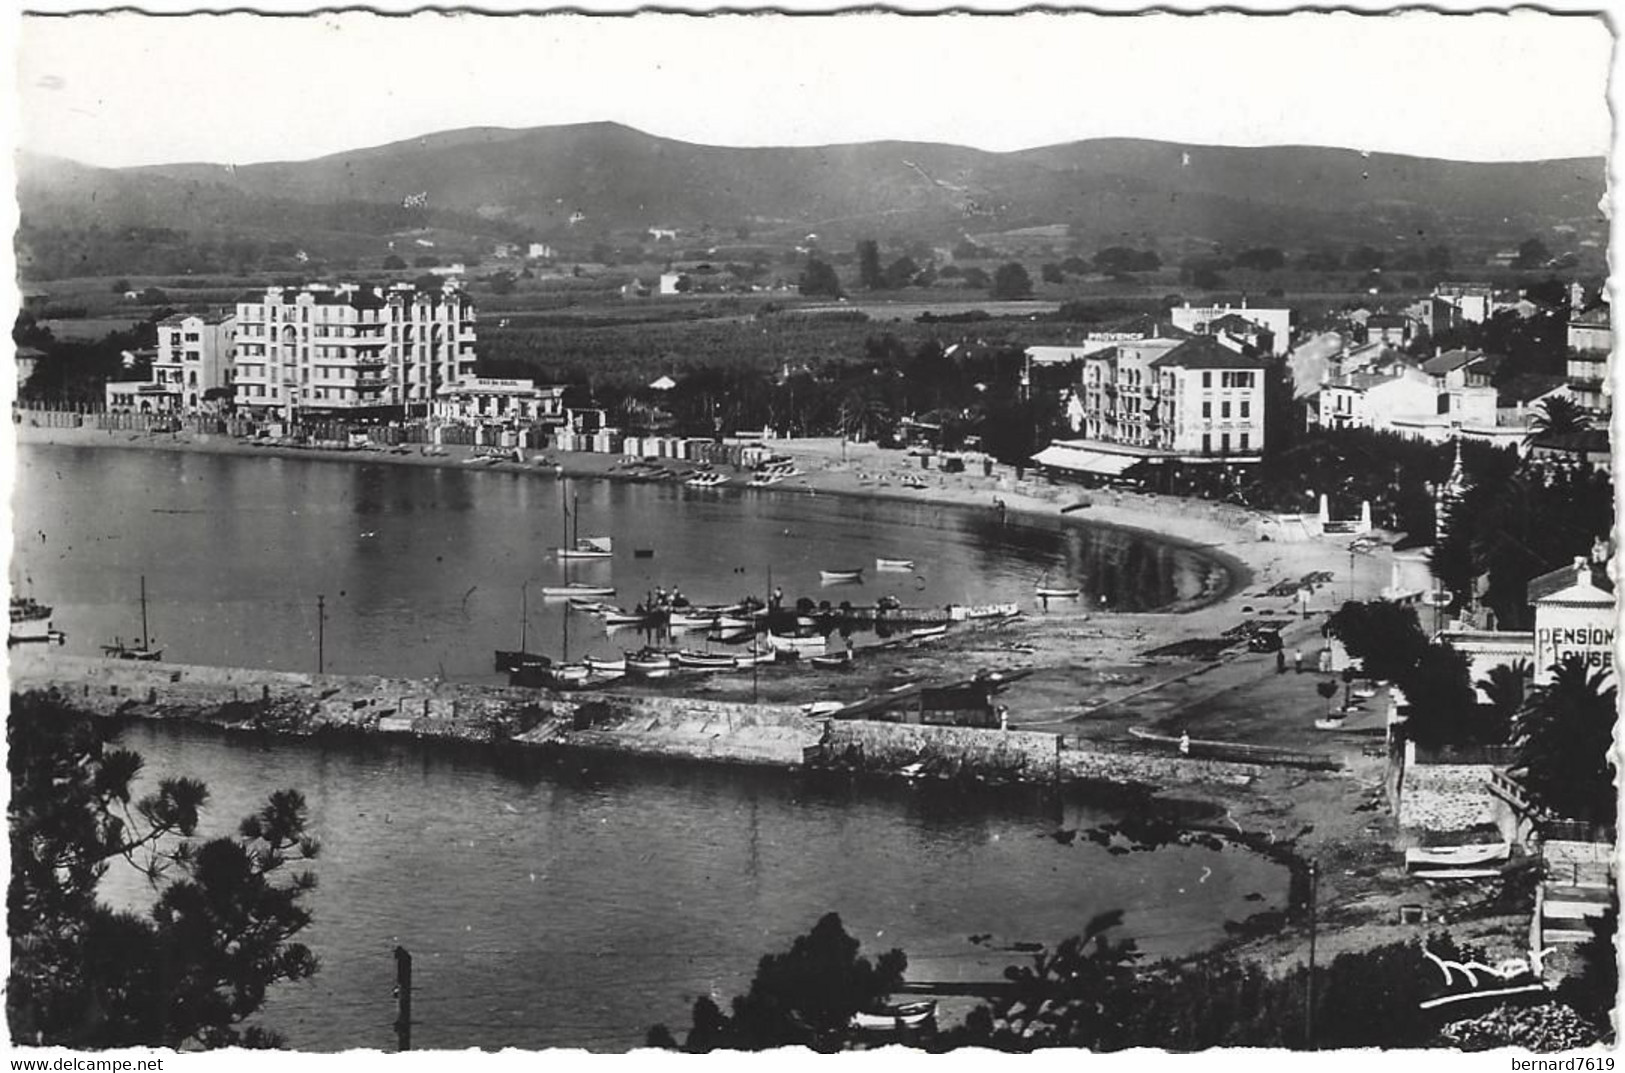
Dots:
pixel 1557 416
pixel 1561 740
pixel 1505 686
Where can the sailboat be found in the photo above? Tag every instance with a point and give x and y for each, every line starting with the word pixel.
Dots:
pixel 511 661
pixel 143 651
pixel 593 547
pixel 578 588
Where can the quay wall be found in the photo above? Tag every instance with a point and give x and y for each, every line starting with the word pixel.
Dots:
pixel 688 728
pixel 1015 755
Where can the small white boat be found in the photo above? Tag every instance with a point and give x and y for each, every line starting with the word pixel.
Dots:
pixel 822 707
pixel 607 666
pixel 1334 722
pixel 892 1018
pixel 894 564
pixel 1472 856
pixel 797 644
pixel 732 622
pixel 992 611
pixel 689 620
pixel 614 616
pixel 650 663
pixel 755 657
pixel 602 547
pixel 1046 592
pixel 705 661
pixel 577 588
pixel 834 659
pixel 840 575
pixel 925 633
pixel 591 607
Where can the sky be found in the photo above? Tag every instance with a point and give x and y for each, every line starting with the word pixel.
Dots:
pixel 122 89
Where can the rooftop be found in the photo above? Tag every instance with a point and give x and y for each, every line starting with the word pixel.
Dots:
pixel 1205 352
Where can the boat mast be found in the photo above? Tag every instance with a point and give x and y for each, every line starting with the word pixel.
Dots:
pixel 144 611
pixel 524 613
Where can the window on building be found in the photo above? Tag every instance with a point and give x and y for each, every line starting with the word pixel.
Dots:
pixel 1224 443
pixel 1246 409
pixel 1224 411
pixel 1207 379
pixel 1207 409
pixel 1207 443
pixel 1243 441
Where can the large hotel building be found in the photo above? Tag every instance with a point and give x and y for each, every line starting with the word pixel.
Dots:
pixel 369 351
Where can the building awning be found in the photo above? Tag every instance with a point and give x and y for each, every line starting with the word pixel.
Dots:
pixel 1079 460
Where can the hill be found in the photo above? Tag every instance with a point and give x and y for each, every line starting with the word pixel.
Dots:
pixel 576 186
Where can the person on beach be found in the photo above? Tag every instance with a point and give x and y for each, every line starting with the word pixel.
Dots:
pixel 1184 743
pixel 1297 661
pixel 1280 661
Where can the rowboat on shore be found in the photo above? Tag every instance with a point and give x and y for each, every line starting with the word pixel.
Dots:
pixel 833 659
pixel 925 633
pixel 705 661
pixel 894 564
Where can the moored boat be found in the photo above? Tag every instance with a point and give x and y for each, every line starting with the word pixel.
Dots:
pixel 704 661
pixel 690 620
pixel 600 547
pixel 706 480
pixel 576 588
pixel 650 663
pixel 1046 592
pixel 31 622
pixel 616 617
pixel 755 657
pixel 925 633
pixel 142 650
pixel 841 575
pixel 797 644
pixel 613 665
pixel 833 659
pixel 894 564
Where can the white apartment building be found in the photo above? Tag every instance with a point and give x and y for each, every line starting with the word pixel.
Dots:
pixel 1209 400
pixel 1473 301
pixel 195 354
pixel 1200 320
pixel 349 349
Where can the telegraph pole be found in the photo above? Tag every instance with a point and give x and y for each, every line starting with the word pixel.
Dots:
pixel 1309 983
pixel 321 626
pixel 403 998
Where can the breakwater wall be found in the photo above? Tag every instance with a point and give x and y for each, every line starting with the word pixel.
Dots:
pixel 677 727
pixel 1012 755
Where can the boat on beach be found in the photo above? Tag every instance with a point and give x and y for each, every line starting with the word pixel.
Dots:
pixel 690 660
pixel 925 633
pixel 894 564
pixel 706 480
pixel 650 663
pixel 833 659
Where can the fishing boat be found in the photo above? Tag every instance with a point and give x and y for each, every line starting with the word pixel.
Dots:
pixel 732 622
pixel 706 480
pixel 690 660
pixel 894 564
pixel 830 576
pixel 578 589
pixel 925 633
pixel 755 657
pixel 833 659
pixel 650 663
pixel 614 616
pixel 614 665
pixel 508 660
pixel 690 620
pixel 142 651
pixel 894 1017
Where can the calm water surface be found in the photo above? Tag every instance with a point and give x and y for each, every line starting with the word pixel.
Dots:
pixel 550 905
pixel 422 567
